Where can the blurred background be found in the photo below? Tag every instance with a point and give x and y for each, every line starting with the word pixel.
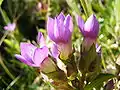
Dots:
pixel 30 17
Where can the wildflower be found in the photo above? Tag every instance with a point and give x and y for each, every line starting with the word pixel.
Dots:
pixel 10 27
pixel 36 57
pixel 28 56
pixel 89 30
pixel 60 31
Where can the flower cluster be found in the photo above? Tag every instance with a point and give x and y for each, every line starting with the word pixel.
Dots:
pixel 60 31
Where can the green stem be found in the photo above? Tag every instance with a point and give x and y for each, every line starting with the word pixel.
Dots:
pixel 81 85
pixel 103 62
pixel 83 3
pixel 2 39
pixel 6 69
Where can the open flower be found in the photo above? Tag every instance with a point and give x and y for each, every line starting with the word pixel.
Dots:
pixel 10 27
pixel 29 54
pixel 89 30
pixel 60 31
pixel 36 57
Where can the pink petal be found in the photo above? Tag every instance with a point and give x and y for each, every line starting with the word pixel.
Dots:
pixel 27 50
pixel 68 23
pixel 61 16
pixel 54 51
pixel 91 27
pixel 59 30
pixel 80 23
pixel 40 54
pixel 41 40
pixel 67 35
pixel 25 61
pixel 50 28
pixel 10 27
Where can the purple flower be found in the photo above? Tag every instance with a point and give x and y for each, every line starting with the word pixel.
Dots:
pixel 36 57
pixel 90 28
pixel 60 31
pixel 31 55
pixel 10 27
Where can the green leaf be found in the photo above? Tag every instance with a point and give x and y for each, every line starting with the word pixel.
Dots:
pixel 117 11
pixel 4 16
pixel 98 81
pixel 8 42
pixel 42 30
pixel 73 5
pixel 1 2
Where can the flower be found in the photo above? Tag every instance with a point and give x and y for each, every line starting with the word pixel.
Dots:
pixel 30 54
pixel 90 28
pixel 60 31
pixel 36 57
pixel 10 27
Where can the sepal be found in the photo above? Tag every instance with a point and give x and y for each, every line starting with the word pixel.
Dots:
pixel 87 57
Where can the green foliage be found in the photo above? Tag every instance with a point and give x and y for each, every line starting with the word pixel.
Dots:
pixel 1 2
pixel 73 5
pixel 98 82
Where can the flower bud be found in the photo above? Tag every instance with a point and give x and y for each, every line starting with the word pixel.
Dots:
pixel 89 30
